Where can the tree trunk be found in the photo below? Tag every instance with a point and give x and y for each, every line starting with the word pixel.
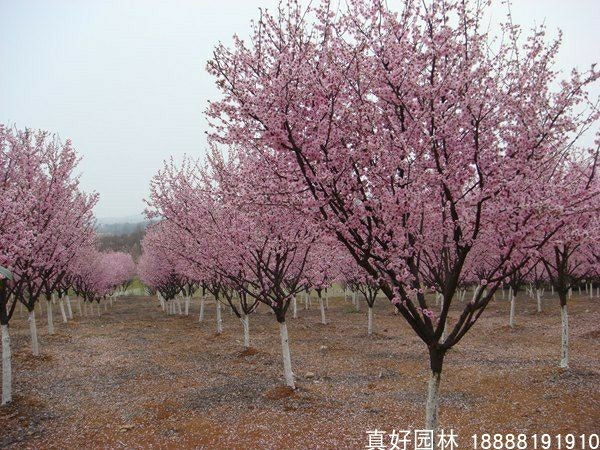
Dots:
pixel 187 306
pixel 539 300
pixel 219 321
pixel 564 352
pixel 62 310
pixel 322 306
pixel 294 308
pixel 69 309
pixel 179 307
pixel 327 300
pixel 370 321
pixel 201 315
pixel 49 315
pixel 6 367
pixel 436 359
pixel 246 324
pixel 79 306
pixel 287 359
pixel 513 301
pixel 35 348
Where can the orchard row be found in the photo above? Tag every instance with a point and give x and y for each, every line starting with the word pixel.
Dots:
pixel 47 237
pixel 407 151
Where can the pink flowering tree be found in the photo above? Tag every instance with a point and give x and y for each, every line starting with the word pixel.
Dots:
pixel 44 220
pixel 256 244
pixel 415 142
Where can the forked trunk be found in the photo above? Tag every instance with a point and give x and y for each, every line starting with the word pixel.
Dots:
pixel 6 367
pixel 35 348
pixel 287 359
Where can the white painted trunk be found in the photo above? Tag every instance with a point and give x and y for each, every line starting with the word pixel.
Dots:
pixel 50 321
pixel 187 306
pixel 431 407
pixel 327 300
pixel 35 348
pixel 179 307
pixel 6 367
pixel 69 309
pixel 564 352
pixel 62 310
pixel 246 324
pixel 219 320
pixel 358 303
pixel 287 359
pixel 322 306
pixel 475 292
pixel 539 300
pixel 513 301
pixel 294 308
pixel 370 321
pixel 201 315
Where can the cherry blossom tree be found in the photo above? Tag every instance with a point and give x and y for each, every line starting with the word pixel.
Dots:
pixel 44 220
pixel 418 137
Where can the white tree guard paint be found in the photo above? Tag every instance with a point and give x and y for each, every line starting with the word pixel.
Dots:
pixel 564 348
pixel 6 367
pixel 370 321
pixel 69 309
pixel 187 306
pixel 201 314
pixel 431 407
pixel 294 308
pixel 35 348
pixel 513 304
pixel 322 306
pixel 246 324
pixel 288 375
pixel 179 307
pixel 538 297
pixel 50 321
pixel 219 320
pixel 62 310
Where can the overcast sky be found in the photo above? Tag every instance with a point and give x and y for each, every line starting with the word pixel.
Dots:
pixel 126 79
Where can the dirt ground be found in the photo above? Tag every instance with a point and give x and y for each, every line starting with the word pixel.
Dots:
pixel 135 378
